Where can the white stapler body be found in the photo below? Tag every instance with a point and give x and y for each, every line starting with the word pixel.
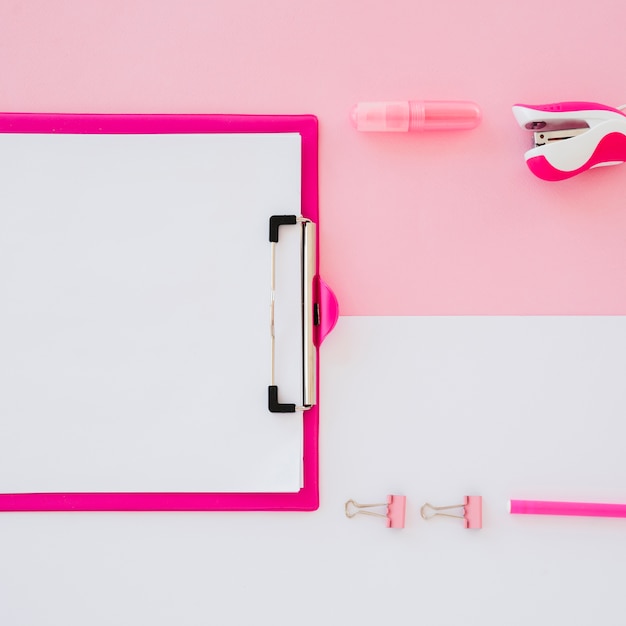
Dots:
pixel 572 137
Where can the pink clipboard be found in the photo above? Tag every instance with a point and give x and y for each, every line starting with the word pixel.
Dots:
pixel 307 499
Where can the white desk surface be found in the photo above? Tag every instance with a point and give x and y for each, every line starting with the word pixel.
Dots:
pixel 314 568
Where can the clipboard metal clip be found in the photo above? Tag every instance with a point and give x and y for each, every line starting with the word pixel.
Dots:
pixel 309 313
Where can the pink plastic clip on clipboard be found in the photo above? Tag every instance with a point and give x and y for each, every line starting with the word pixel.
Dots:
pixel 324 310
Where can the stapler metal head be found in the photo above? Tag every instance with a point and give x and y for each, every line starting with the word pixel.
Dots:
pixel 572 137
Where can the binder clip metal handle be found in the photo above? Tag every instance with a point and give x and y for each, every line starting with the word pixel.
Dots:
pixel 472 511
pixel 395 513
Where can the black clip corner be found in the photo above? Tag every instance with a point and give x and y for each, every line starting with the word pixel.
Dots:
pixel 279 220
pixel 274 405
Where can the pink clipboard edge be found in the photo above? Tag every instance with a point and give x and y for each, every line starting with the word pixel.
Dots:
pixel 307 499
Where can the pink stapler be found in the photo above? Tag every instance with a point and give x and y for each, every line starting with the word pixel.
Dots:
pixel 572 137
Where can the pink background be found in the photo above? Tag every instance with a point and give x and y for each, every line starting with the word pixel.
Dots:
pixel 410 224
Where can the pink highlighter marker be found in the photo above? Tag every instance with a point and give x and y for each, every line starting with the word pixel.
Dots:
pixel 415 115
pixel 583 509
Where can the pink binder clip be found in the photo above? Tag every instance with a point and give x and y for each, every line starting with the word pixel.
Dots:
pixel 472 511
pixel 395 505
